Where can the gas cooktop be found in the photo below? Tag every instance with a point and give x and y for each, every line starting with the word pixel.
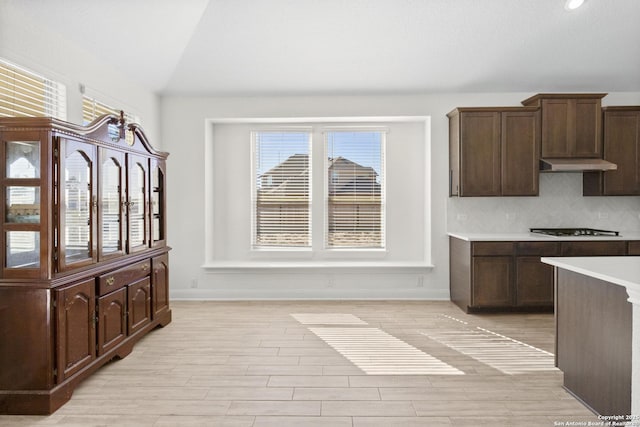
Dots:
pixel 573 232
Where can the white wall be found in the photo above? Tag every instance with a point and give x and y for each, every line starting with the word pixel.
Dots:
pixel 32 46
pixel 183 128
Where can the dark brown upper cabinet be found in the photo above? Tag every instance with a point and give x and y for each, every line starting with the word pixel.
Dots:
pixel 494 151
pixel 622 147
pixel 571 124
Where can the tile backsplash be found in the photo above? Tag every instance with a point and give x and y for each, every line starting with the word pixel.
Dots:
pixel 560 204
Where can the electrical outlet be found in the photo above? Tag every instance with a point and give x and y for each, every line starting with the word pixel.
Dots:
pixel 603 215
pixel 461 217
pixel 194 283
pixel 421 281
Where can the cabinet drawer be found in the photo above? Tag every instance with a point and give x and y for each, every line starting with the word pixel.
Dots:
pixel 116 279
pixel 492 248
pixel 593 248
pixel 538 248
pixel 634 248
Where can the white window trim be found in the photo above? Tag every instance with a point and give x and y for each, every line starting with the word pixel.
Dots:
pixel 291 259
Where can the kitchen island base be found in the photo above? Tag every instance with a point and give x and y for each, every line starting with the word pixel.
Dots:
pixel 594 341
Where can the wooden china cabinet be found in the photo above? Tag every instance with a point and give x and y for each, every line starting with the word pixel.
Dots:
pixel 84 257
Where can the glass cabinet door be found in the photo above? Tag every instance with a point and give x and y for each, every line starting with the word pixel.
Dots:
pixel 111 203
pixel 157 203
pixel 22 187
pixel 76 200
pixel 137 213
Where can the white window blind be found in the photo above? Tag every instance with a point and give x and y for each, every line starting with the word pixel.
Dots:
pixel 355 189
pixel 26 94
pixel 281 197
pixel 92 109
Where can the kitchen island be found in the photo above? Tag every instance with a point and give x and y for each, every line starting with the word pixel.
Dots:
pixel 597 311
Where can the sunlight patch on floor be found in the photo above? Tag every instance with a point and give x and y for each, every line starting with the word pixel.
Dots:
pixel 328 319
pixel 371 349
pixel 378 353
pixel 505 354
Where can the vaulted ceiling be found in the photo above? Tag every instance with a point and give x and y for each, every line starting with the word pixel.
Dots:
pixel 265 47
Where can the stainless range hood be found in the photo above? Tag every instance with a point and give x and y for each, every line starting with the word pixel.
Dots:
pixel 576 165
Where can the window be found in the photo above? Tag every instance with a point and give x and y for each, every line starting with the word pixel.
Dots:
pixel 281 197
pixel 355 189
pixel 26 94
pixel 92 109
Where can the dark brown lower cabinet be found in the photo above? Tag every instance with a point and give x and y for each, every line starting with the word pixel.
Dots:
pixel 112 321
pixel 160 280
pixel 633 248
pixel 53 338
pixel 76 327
pixel 508 276
pixel 139 302
pixel 534 282
pixel 492 277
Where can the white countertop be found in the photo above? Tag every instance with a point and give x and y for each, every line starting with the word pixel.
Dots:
pixel 503 237
pixel 620 270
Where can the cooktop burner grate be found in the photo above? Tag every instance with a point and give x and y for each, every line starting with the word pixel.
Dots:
pixel 574 232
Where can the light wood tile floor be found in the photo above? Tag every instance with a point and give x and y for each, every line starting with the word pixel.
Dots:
pixel 355 364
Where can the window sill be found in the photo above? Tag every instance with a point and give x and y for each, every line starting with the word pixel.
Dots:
pixel 365 266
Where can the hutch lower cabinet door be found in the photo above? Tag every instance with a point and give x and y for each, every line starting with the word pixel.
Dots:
pixel 76 327
pixel 139 301
pixel 112 320
pixel 160 282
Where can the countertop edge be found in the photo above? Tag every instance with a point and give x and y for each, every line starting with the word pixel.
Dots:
pixel 614 269
pixel 531 237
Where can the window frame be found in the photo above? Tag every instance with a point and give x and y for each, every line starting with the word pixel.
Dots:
pixel 318 143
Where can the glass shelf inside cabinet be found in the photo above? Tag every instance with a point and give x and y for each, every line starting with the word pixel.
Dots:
pixel 23 159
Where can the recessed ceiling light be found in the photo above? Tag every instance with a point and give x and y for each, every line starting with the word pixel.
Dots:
pixel 573 4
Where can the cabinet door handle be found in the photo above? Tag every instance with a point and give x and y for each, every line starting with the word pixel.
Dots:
pixel 111 280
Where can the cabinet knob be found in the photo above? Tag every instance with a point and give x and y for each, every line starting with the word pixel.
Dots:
pixel 145 267
pixel 111 280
